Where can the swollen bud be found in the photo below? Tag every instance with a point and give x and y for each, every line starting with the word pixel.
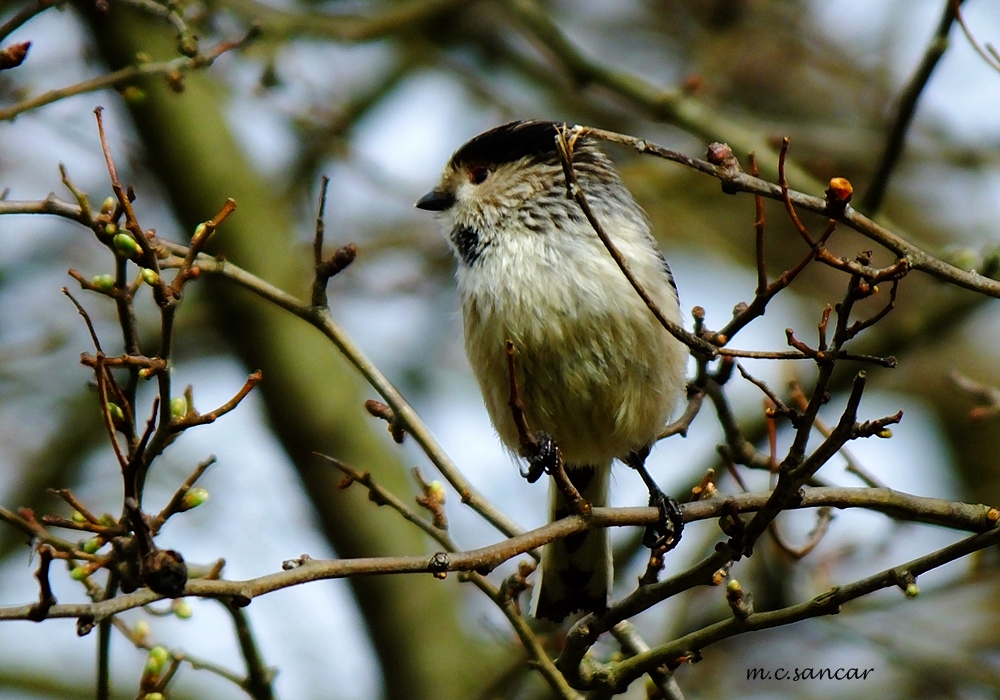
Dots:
pixel 193 498
pixel 884 433
pixel 435 490
pixel 125 244
pixel 92 545
pixel 155 662
pixel 78 517
pixel 140 630
pixel 108 205
pixel 187 44
pixel 149 276
pixel 116 412
pixel 133 95
pixel 178 407
pixel 153 696
pixel 182 609
pixel 103 283
pixel 158 655
pixel 912 591
pixel 79 573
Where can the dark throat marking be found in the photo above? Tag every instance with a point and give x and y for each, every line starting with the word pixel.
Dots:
pixel 468 244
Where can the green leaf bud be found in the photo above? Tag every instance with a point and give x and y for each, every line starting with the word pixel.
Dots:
pixel 156 660
pixel 178 407
pixel 104 283
pixel 134 95
pixel 125 245
pixel 141 630
pixel 194 498
pixel 116 412
pixel 182 609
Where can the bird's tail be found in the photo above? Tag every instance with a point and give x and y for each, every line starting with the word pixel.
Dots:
pixel 576 570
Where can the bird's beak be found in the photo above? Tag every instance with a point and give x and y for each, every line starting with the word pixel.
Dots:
pixel 435 200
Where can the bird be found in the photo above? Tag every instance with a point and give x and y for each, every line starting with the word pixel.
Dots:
pixel 595 370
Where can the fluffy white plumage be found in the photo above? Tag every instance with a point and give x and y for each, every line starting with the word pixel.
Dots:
pixel 595 369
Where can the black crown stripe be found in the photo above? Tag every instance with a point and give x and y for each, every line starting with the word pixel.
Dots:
pixel 509 143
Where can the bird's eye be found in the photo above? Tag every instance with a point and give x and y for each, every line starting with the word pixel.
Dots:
pixel 478 173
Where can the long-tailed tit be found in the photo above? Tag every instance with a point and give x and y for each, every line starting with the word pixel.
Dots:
pixel 595 369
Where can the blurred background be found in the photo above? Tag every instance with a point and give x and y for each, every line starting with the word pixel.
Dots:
pixel 377 95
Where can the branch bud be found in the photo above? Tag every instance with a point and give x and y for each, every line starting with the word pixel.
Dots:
pixel 117 416
pixel 838 196
pixel 178 406
pixel 103 283
pixel 181 609
pixel 155 661
pixel 133 95
pixel 140 630
pixel 193 498
pixel 124 244
pixel 14 55
pixel 739 601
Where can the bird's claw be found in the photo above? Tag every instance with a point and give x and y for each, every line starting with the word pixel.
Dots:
pixel 666 533
pixel 542 459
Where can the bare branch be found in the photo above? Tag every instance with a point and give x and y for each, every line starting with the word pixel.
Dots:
pixel 960 516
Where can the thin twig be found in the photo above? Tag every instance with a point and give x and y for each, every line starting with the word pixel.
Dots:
pixel 259 676
pixel 898 505
pixel 696 398
pixel 988 54
pixel 40 610
pixel 619 676
pixel 173 506
pixel 193 418
pixel 27 12
pixel 565 139
pixel 632 644
pixel 118 78
pixel 907 107
pixel 823 518
pixel 738 181
pixel 323 320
